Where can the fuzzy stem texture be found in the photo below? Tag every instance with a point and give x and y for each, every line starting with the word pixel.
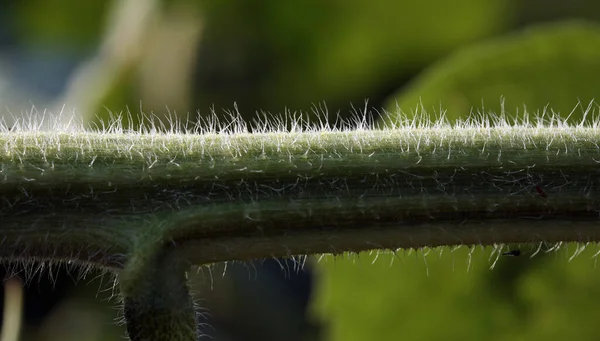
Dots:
pixel 157 303
pixel 121 200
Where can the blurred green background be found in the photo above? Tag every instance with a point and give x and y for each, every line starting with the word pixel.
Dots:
pixel 183 57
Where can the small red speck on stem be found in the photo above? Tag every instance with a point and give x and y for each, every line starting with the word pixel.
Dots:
pixel 541 191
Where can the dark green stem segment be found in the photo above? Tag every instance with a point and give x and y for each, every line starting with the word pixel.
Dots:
pixel 87 197
pixel 157 303
pixel 146 206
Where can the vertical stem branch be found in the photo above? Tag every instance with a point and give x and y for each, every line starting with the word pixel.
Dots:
pixel 157 303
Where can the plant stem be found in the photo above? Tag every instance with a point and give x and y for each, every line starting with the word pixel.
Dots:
pixel 88 196
pixel 156 300
pixel 113 199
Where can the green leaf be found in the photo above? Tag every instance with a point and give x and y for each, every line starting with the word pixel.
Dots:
pixel 553 66
pixel 456 296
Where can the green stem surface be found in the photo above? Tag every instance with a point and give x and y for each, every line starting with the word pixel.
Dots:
pixel 88 196
pixel 108 199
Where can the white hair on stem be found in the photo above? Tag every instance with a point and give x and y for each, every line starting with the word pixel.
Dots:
pixel 217 188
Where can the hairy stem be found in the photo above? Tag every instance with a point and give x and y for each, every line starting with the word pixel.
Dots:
pixel 157 303
pixel 95 197
pixel 89 196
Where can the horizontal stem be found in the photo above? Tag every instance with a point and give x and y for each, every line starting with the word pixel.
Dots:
pixel 199 251
pixel 90 197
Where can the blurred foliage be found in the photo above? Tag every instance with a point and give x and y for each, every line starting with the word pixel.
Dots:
pixel 554 66
pixel 275 54
pixel 456 296
pixel 66 23
pixel 527 12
